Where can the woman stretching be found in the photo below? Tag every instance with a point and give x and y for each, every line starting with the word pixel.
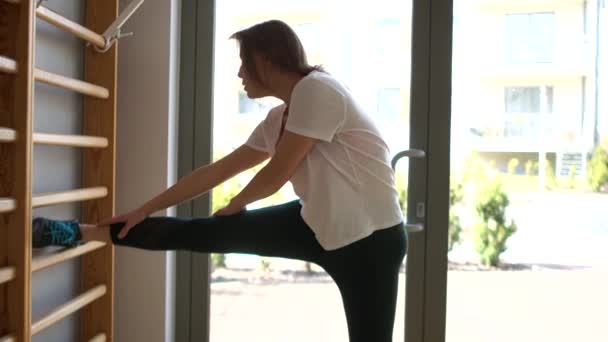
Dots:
pixel 347 219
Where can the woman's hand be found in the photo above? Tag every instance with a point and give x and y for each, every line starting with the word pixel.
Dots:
pixel 231 209
pixel 131 218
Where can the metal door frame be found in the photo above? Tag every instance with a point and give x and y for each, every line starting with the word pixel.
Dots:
pixel 426 280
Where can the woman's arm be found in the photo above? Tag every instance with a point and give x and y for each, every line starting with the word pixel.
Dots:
pixel 206 178
pixel 292 148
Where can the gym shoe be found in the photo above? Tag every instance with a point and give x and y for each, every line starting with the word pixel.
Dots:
pixel 47 232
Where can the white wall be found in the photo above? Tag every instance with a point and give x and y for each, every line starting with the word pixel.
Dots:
pixel 146 165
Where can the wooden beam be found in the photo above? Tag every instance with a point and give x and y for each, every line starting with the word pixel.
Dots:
pixel 99 167
pixel 41 262
pixel 7 135
pixel 17 38
pixel 70 26
pixel 8 65
pixel 7 274
pixel 70 140
pixel 7 205
pixel 50 198
pixel 69 308
pixel 71 84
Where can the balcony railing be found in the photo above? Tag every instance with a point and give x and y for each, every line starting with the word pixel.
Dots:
pixel 529 125
pixel 526 132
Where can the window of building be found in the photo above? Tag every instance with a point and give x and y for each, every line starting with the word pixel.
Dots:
pixel 527 99
pixel 530 37
pixel 526 109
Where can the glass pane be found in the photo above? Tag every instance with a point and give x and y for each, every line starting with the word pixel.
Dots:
pixel 528 230
pixel 255 298
pixel 529 37
pixel 522 99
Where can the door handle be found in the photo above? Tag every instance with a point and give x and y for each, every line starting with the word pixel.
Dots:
pixel 414 227
pixel 412 153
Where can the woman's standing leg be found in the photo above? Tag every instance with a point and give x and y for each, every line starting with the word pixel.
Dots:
pixel 367 275
pixel 272 231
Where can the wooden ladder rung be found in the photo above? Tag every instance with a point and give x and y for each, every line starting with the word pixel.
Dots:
pixel 69 308
pixel 8 338
pixel 7 134
pixel 50 198
pixel 71 84
pixel 7 274
pixel 44 261
pixel 70 140
pixel 7 204
pixel 70 26
pixel 10 135
pixel 8 65
pixel 67 25
pixel 98 338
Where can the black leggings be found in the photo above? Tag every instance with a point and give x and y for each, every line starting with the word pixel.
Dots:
pixel 365 271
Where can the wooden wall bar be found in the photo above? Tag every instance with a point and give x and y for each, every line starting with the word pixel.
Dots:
pixel 99 168
pixel 17 37
pixel 17 75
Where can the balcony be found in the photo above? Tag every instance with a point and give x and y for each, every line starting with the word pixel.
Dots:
pixel 525 132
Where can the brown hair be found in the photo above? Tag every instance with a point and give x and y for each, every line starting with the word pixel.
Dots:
pixel 278 43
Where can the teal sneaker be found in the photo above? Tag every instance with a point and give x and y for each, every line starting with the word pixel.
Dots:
pixel 47 232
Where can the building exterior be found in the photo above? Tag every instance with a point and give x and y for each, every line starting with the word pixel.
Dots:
pixel 524 72
pixel 367 49
pixel 525 79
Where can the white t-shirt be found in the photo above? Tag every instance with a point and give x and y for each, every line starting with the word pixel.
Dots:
pixel 345 183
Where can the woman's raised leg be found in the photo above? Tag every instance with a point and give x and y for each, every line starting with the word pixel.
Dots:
pixel 277 231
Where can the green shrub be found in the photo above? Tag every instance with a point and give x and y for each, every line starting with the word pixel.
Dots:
pixel 597 175
pixel 403 200
pixel 534 168
pixel 454 228
pixel 492 231
pixel 218 260
pixel 512 167
pixel 550 180
pixel 529 168
pixel 401 184
pixel 571 176
pixel 265 264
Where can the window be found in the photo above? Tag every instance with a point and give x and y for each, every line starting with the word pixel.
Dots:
pixel 390 50
pixel 309 36
pixel 529 37
pixel 247 105
pixel 526 109
pixel 389 105
pixel 389 38
pixel 527 99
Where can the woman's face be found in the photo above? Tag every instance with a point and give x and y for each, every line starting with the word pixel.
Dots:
pixel 254 88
